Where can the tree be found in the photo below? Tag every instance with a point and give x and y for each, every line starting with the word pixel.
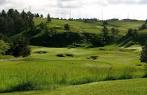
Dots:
pixel 3 47
pixel 143 57
pixel 105 23
pixel 114 31
pixel 41 15
pixel 105 33
pixel 37 15
pixel 3 14
pixel 114 34
pixel 20 48
pixel 49 18
pixel 66 27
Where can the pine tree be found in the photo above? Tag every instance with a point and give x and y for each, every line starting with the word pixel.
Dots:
pixel 105 33
pixel 20 48
pixel 49 18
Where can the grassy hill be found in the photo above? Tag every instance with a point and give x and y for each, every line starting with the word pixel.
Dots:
pixel 76 71
pixel 94 27
pixel 52 68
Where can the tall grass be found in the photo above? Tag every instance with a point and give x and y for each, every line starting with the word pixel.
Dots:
pixel 145 70
pixel 50 72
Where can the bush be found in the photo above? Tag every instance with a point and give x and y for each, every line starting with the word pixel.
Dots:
pixel 143 57
pixel 69 55
pixel 20 48
pixel 145 71
pixel 23 86
pixel 60 55
pixel 93 57
pixel 3 47
pixel 67 28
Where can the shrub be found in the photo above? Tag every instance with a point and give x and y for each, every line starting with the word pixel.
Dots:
pixel 20 48
pixel 60 55
pixel 23 86
pixel 143 57
pixel 3 47
pixel 145 71
pixel 69 55
pixel 93 57
pixel 66 27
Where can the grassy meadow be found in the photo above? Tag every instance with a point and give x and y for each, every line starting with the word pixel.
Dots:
pixel 121 87
pixel 94 27
pixel 56 68
pixel 109 70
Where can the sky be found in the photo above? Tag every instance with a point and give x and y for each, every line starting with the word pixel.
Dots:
pixel 101 9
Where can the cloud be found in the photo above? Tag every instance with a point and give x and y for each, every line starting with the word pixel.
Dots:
pixel 69 3
pixel 126 1
pixel 79 8
pixel 2 2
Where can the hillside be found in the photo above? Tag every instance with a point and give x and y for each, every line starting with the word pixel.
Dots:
pixel 90 27
pixel 77 57
pixel 53 68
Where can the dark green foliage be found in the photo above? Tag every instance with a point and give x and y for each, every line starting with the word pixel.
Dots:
pixel 20 48
pixel 41 15
pixel 60 55
pixel 105 37
pixel 115 34
pixel 3 47
pixel 69 55
pixel 49 18
pixel 93 57
pixel 143 57
pixel 37 15
pixel 114 31
pixel 67 28
pixel 143 26
pixel 145 70
pixel 12 22
pixel 105 23
pixel 90 20
pixel 64 39
pixel 23 86
pixel 131 38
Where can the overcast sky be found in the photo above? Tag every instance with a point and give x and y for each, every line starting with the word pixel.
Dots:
pixel 102 9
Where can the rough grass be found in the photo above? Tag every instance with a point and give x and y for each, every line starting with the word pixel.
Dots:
pixel 120 87
pixel 47 71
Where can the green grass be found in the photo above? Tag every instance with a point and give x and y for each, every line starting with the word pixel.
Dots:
pixel 120 87
pixel 47 71
pixel 96 27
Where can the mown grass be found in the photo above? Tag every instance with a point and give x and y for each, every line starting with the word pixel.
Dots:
pixel 48 71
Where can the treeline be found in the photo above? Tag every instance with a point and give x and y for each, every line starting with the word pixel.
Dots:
pixel 49 37
pixel 17 32
pixel 12 23
pixel 135 36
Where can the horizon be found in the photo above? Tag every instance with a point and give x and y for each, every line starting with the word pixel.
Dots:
pixel 106 9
